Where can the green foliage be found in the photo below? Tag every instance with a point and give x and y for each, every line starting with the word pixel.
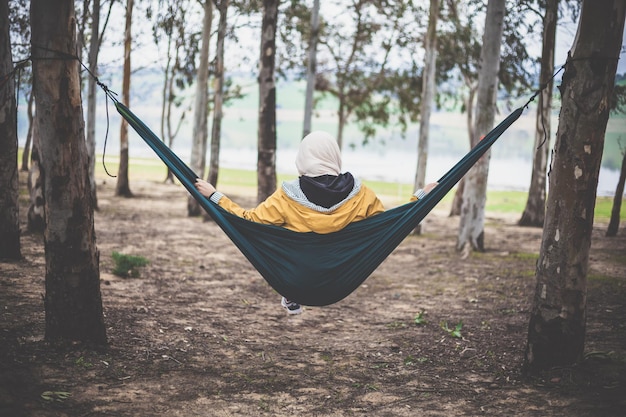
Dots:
pixel 419 318
pixel 83 363
pixel 128 265
pixel 55 396
pixel 456 332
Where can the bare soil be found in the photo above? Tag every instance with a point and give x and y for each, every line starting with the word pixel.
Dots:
pixel 200 333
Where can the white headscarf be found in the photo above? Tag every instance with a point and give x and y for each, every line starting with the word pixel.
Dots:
pixel 318 154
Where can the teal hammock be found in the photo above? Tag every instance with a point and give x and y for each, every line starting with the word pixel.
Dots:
pixel 310 268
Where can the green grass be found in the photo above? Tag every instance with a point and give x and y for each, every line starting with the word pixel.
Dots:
pixel 497 201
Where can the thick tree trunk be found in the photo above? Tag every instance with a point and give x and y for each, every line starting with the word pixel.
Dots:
pixel 311 68
pixel 9 183
pixel 471 228
pixel 556 331
pixel 617 201
pixel 428 95
pixel 218 99
pixel 201 109
pixel 94 47
pixel 122 187
pixel 266 159
pixel 72 301
pixel 534 212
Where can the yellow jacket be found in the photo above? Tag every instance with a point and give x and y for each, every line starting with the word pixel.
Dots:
pixel 289 208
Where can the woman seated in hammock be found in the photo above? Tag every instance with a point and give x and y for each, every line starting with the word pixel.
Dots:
pixel 321 200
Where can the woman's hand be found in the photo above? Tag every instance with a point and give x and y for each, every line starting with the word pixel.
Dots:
pixel 429 187
pixel 204 187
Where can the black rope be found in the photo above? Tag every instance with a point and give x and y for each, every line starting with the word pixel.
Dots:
pixel 532 98
pixel 109 94
pixel 547 83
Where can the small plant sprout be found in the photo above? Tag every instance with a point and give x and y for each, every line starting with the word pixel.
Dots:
pixel 455 332
pixel 419 318
pixel 55 396
pixel 127 265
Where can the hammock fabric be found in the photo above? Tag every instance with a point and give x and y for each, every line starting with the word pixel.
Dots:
pixel 318 269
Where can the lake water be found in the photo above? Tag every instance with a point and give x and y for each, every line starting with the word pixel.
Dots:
pixel 398 166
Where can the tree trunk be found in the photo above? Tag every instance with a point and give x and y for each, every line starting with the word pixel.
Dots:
pixel 165 94
pixel 428 95
pixel 534 212
pixel 201 109
pixel 29 135
pixel 9 181
pixel 72 300
pixel 266 160
pixel 556 331
pixel 617 201
pixel 218 99
pixel 471 227
pixel 311 68
pixel 94 47
pixel 457 202
pixel 341 120
pixel 122 187
pixel 170 133
pixel 36 209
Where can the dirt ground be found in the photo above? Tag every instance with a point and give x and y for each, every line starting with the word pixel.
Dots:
pixel 200 333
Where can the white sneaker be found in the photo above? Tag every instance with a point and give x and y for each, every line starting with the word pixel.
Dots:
pixel 290 306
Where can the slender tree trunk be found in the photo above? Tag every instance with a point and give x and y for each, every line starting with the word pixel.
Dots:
pixel 9 181
pixel 72 301
pixel 94 47
pixel 342 120
pixel 428 95
pixel 218 99
pixel 123 185
pixel 457 202
pixel 556 330
pixel 617 201
pixel 170 133
pixel 29 135
pixel 534 212
pixel 167 88
pixel 201 109
pixel 36 209
pixel 311 68
pixel 471 228
pixel 266 160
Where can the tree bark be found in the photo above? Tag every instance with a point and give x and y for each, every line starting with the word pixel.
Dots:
pixel 534 212
pixel 29 134
pixel 218 99
pixel 201 109
pixel 9 181
pixel 556 331
pixel 122 187
pixel 94 47
pixel 457 202
pixel 428 95
pixel 36 209
pixel 617 201
pixel 72 300
pixel 311 68
pixel 471 228
pixel 266 159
